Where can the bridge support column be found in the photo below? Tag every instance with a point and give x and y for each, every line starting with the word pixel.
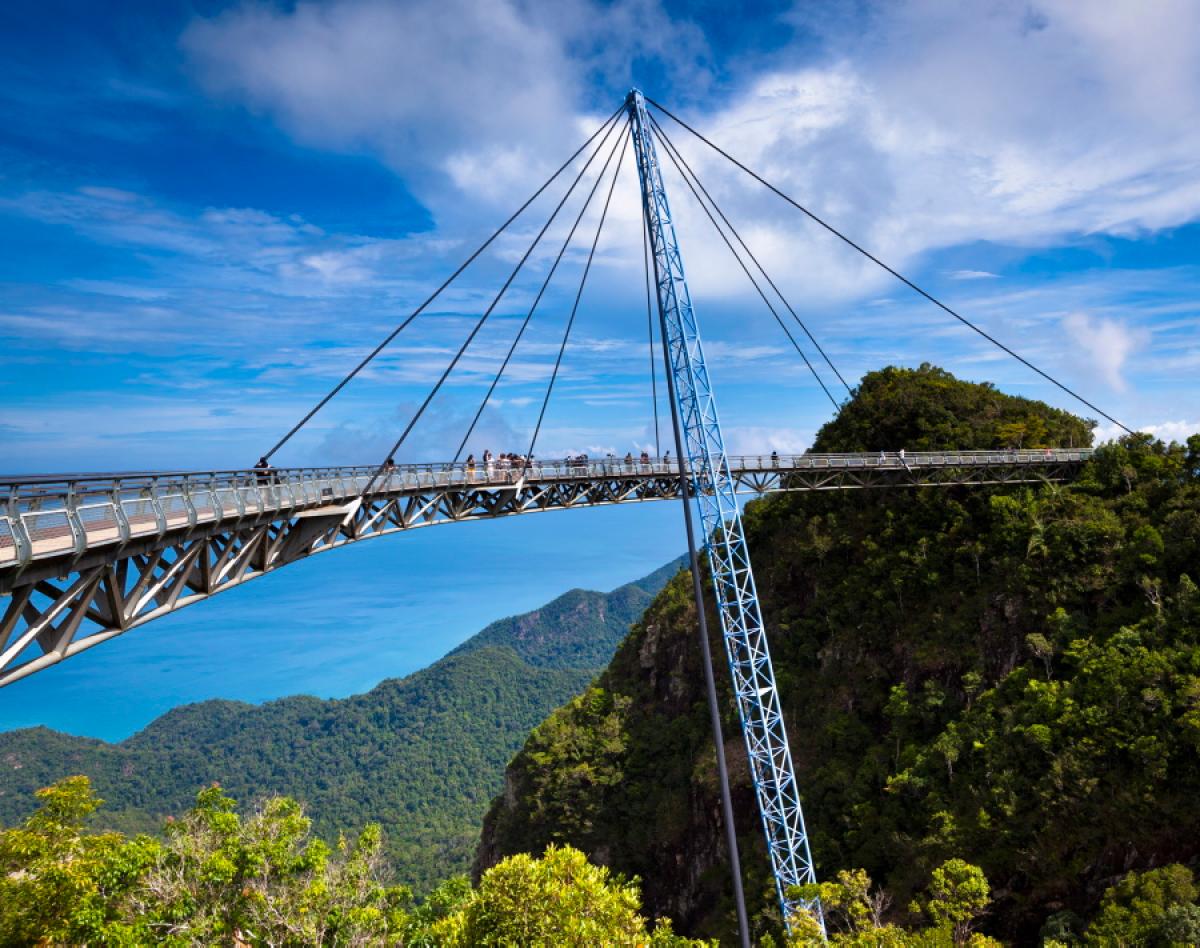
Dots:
pixel 708 474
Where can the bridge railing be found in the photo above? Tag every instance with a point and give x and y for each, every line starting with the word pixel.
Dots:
pixel 893 459
pixel 53 515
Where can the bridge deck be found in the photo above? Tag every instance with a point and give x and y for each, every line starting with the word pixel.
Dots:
pixel 86 557
pixel 49 516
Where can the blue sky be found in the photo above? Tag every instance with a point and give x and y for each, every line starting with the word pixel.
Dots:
pixel 210 211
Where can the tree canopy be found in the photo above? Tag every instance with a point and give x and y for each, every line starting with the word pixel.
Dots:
pixel 262 879
pixel 1006 676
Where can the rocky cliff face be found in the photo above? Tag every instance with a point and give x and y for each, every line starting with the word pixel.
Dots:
pixel 628 772
pixel 1003 675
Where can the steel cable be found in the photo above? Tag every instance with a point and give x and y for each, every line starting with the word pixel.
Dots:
pixel 678 156
pixel 436 293
pixel 650 334
pixel 749 275
pixel 575 308
pixel 529 316
pixel 899 276
pixel 487 313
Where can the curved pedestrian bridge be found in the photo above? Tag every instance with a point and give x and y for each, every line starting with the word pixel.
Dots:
pixel 85 557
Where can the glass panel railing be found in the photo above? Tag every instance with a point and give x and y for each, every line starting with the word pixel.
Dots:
pixel 140 514
pixel 99 522
pixel 49 531
pixel 8 542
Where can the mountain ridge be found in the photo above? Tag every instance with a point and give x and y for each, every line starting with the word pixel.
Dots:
pixel 421 754
pixel 1002 675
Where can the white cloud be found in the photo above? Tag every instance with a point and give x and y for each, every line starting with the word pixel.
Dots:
pixel 925 125
pixel 971 275
pixel 944 124
pixel 1104 344
pixel 1178 431
pixel 920 124
pixel 1173 430
pixel 483 90
pixel 402 78
pixel 762 440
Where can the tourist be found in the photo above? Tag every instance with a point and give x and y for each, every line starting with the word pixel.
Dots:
pixel 262 471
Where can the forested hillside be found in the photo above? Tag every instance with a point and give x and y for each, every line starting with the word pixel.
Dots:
pixel 420 755
pixel 1007 676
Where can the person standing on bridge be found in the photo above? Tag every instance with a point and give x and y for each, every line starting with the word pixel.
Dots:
pixel 774 459
pixel 487 462
pixel 263 471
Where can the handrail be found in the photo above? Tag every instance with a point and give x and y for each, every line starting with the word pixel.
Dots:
pixel 601 465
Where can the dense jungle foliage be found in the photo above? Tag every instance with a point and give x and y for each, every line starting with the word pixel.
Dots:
pixel 218 877
pixel 421 756
pixel 260 878
pixel 1008 676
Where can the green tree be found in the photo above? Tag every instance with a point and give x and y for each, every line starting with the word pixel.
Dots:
pixel 928 408
pixel 1147 908
pixel 853 910
pixel 958 894
pixel 424 922
pixel 59 884
pixel 264 880
pixel 849 904
pixel 559 899
pixel 376 757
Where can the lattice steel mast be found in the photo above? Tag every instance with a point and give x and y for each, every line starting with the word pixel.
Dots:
pixel 729 560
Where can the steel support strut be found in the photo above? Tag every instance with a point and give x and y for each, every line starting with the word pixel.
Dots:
pixel 729 560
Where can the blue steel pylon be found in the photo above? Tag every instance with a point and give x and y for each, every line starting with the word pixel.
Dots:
pixel 729 560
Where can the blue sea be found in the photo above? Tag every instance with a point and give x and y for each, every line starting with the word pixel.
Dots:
pixel 340 622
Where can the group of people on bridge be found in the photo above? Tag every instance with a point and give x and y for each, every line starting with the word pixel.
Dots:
pixel 506 464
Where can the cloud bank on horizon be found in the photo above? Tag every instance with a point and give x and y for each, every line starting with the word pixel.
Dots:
pixel 1036 163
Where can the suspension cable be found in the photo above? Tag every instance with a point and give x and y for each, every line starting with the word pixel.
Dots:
pixel 738 237
pixel 529 316
pixel 436 293
pixel 482 319
pixel 899 276
pixel 575 308
pixel 650 334
pixel 746 270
